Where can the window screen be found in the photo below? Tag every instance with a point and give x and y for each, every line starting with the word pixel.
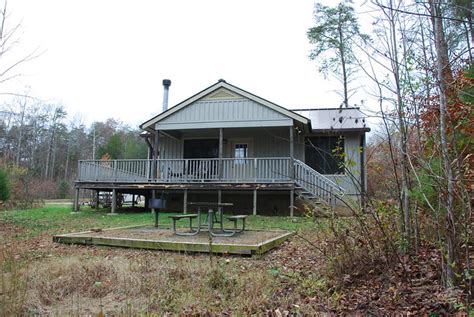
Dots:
pixel 325 154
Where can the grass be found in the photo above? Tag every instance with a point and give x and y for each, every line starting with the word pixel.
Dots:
pixel 60 219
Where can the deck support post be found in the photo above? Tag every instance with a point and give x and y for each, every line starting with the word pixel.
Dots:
pixel 185 201
pixel 153 197
pixel 221 151
pixel 156 154
pixel 147 201
pixel 292 153
pixel 113 208
pixel 219 200
pixel 133 200
pixel 76 200
pixel 292 202
pixel 254 202
pixel 97 199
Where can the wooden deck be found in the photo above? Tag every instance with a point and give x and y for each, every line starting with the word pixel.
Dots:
pixel 145 177
pixel 249 242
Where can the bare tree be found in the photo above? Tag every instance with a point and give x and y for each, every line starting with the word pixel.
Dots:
pixel 10 65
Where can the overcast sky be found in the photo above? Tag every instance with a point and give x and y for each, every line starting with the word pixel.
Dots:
pixel 107 58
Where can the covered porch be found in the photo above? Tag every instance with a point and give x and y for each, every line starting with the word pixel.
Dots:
pixel 224 154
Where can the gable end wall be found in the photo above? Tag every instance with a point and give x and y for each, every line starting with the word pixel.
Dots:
pixel 225 113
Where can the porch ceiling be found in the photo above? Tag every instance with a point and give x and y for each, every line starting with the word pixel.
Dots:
pixel 183 125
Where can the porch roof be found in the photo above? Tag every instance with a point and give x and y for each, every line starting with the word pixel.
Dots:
pixel 281 116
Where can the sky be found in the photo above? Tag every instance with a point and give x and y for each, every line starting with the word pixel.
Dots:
pixel 107 58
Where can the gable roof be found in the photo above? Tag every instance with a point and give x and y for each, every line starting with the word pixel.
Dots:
pixel 230 88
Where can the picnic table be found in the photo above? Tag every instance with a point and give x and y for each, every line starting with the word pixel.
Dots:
pixel 211 219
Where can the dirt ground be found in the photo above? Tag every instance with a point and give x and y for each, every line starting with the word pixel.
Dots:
pixel 40 277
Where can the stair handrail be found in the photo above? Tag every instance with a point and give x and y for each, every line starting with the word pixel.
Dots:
pixel 335 188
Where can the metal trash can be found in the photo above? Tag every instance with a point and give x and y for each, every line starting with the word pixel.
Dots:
pixel 157 203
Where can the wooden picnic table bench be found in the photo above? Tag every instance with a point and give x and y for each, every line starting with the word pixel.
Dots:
pixel 235 218
pixel 190 217
pixel 211 219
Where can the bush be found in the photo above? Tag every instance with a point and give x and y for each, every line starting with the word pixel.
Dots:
pixel 4 186
pixel 368 241
pixel 63 190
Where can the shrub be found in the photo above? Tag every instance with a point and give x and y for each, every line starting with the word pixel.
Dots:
pixel 4 186
pixel 63 189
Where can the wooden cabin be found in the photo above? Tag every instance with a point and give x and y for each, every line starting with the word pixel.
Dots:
pixel 227 144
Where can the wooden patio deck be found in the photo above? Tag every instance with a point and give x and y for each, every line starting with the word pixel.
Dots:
pixel 249 242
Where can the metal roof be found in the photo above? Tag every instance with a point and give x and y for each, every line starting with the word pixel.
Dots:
pixel 335 119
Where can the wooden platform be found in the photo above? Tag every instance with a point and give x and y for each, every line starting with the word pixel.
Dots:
pixel 145 187
pixel 250 242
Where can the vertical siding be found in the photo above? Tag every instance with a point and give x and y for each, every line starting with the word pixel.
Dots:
pixel 223 110
pixel 272 143
pixel 170 148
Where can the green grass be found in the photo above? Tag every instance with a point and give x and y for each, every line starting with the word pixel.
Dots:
pixel 60 219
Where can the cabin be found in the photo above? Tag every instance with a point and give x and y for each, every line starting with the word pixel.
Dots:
pixel 227 144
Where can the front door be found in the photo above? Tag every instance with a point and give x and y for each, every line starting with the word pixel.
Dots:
pixel 242 167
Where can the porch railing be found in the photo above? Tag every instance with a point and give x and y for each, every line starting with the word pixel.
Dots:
pixel 186 170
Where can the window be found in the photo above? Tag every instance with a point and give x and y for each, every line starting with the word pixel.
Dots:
pixel 241 151
pixel 325 154
pixel 201 148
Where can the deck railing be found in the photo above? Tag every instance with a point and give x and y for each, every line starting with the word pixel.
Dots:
pixel 186 170
pixel 226 170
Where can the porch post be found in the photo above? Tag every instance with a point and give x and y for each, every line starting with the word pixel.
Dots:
pixel 254 202
pixel 292 153
pixel 156 154
pixel 185 201
pixel 221 150
pixel 149 168
pixel 156 167
pixel 292 202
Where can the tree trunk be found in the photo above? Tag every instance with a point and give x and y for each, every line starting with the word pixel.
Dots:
pixel 404 198
pixel 343 64
pixel 93 144
pixel 20 133
pixel 53 162
pixel 50 150
pixel 444 79
pixel 66 167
